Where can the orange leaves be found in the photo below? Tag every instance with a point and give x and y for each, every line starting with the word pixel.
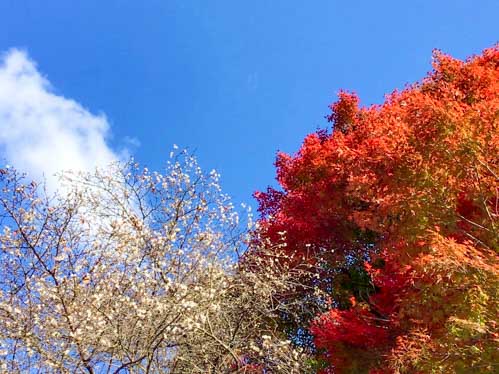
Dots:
pixel 410 349
pixel 414 185
pixel 446 255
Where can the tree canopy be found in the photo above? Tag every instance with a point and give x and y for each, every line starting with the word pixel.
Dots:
pixel 129 271
pixel 397 207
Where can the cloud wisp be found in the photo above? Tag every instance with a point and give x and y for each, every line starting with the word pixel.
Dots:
pixel 43 133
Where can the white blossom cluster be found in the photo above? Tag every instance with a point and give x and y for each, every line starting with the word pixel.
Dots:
pixel 131 271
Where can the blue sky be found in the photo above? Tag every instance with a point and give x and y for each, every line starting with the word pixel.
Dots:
pixel 233 80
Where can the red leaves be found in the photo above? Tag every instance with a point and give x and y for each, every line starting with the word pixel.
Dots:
pixel 401 167
pixel 355 327
pixel 380 185
pixel 269 201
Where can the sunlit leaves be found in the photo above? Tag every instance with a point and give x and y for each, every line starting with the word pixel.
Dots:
pixel 410 188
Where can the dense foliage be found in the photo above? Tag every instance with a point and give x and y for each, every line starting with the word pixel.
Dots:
pixel 397 210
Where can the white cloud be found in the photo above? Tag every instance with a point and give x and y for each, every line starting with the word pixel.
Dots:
pixel 42 133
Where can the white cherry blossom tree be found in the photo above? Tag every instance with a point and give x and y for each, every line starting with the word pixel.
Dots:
pixel 130 271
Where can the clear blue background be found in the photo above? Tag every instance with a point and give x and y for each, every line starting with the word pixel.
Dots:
pixel 235 80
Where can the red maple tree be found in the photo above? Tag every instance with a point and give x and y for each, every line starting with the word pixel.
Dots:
pixel 398 207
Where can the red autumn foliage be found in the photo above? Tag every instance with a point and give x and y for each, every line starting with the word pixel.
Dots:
pixel 410 186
